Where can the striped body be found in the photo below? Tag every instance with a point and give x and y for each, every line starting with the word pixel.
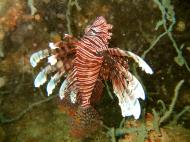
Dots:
pixel 86 70
pixel 88 61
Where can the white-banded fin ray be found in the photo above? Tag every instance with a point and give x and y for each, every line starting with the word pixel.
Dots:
pixel 134 87
pixel 52 45
pixel 73 97
pixel 52 59
pixel 129 106
pixel 128 100
pixel 53 82
pixel 42 76
pixel 37 56
pixel 140 62
pixel 62 89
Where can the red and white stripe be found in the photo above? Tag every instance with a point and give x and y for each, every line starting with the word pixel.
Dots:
pixel 87 63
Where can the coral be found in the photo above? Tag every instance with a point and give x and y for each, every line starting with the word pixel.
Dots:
pixel 167 114
pixel 140 131
pixel 10 18
pixel 151 130
pixel 181 26
pixel 12 14
pixel 176 117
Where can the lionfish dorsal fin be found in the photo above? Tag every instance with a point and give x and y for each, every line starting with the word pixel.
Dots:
pixel 141 63
pixel 121 53
pixel 99 28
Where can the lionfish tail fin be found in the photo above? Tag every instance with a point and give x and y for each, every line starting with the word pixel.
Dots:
pixel 85 122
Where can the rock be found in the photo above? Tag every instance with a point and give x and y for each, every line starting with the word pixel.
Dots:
pixel 2 134
pixel 1 49
pixel 3 81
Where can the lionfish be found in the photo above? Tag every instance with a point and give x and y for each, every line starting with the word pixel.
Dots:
pixel 82 66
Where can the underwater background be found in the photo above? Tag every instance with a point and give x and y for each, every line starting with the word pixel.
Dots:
pixel 156 30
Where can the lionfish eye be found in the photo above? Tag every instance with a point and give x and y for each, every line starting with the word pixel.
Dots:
pixel 90 31
pixel 93 31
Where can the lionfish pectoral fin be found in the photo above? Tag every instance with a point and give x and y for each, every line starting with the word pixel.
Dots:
pixel 53 82
pixel 62 89
pixel 128 98
pixel 134 87
pixel 129 107
pixel 52 59
pixel 42 76
pixel 40 79
pixel 68 36
pixel 121 53
pixel 141 63
pixel 133 92
pixel 116 52
pixel 37 56
pixel 52 46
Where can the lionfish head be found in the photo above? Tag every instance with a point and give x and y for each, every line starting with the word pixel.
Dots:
pixel 99 28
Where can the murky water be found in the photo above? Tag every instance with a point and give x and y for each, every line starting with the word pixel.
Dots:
pixel 27 114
